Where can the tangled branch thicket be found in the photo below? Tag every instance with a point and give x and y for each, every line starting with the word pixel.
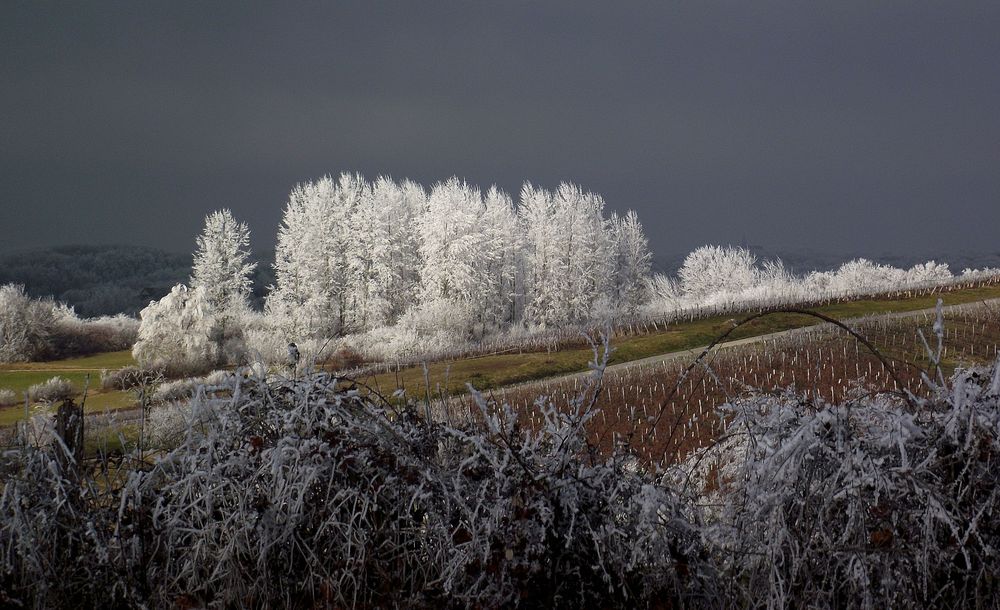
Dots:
pixel 309 493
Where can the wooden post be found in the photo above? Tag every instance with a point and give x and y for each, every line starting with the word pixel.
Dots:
pixel 69 427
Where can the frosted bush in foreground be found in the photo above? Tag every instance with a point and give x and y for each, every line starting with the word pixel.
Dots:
pixel 167 424
pixel 299 493
pixel 864 504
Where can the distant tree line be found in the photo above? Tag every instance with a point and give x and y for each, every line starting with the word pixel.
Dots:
pixel 108 280
pixel 96 280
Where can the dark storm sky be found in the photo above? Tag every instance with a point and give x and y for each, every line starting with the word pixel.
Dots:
pixel 854 128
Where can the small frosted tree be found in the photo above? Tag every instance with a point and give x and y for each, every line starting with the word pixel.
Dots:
pixel 928 273
pixel 221 263
pixel 632 262
pixel 179 333
pixel 714 269
pixel 222 269
pixel 25 325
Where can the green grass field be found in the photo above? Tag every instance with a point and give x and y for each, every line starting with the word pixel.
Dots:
pixel 489 372
pixel 19 376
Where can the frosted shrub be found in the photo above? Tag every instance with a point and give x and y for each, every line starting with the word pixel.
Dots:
pixel 711 269
pixel 387 343
pixel 864 504
pixel 8 397
pixel 299 494
pixel 40 329
pixel 927 273
pixel 978 274
pixel 56 547
pixel 267 339
pixel 862 276
pixel 279 487
pixel 56 388
pixel 167 424
pixel 179 389
pixel 73 336
pixel 123 379
pixel 25 325
pixel 724 276
pixel 229 334
pixel 178 334
pixel 438 326
pixel 184 389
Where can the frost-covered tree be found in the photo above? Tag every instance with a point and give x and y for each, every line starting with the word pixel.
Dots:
pixel 504 270
pixel 585 253
pixel 222 261
pixel 569 254
pixel 632 261
pixel 222 268
pixel 665 293
pixel 537 214
pixel 311 273
pixel 453 248
pixel 25 325
pixel 178 333
pixel 712 269
pixel 383 252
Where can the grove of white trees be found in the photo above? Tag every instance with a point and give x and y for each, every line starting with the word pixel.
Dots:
pixel 354 255
pixel 393 263
pixel 391 268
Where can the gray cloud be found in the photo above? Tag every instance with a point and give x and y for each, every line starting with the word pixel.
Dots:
pixel 842 127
